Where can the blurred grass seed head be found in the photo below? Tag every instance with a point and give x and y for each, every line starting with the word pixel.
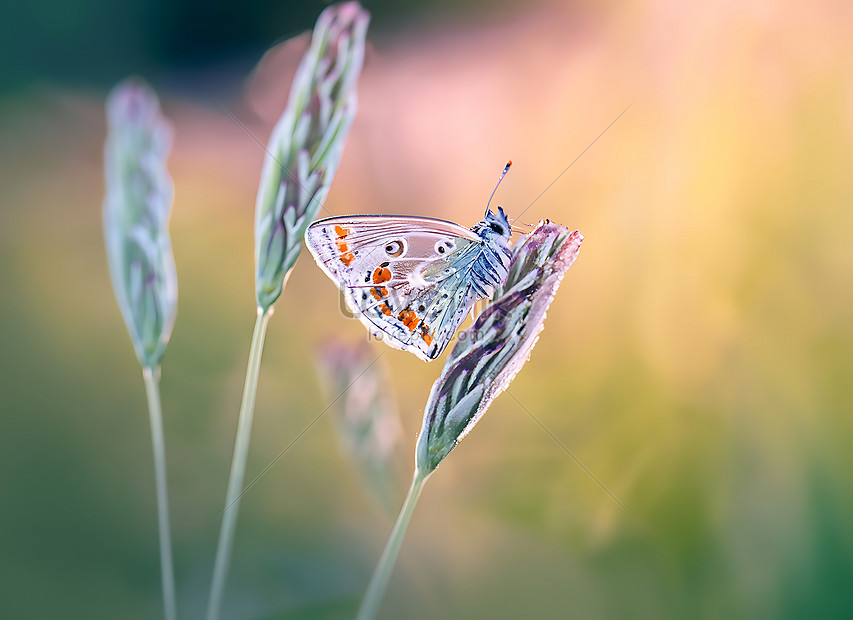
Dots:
pixel 365 413
pixel 306 145
pixel 136 213
pixel 490 353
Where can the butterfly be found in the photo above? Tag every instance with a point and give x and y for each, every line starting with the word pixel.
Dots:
pixel 412 280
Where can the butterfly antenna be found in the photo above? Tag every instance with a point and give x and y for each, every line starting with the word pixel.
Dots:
pixel 501 178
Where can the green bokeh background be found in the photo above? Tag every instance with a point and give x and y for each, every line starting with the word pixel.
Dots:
pixel 697 359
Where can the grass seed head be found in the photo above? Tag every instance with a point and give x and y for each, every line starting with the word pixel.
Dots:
pixel 306 145
pixel 365 413
pixel 490 353
pixel 136 213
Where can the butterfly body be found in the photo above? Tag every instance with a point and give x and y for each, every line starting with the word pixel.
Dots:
pixel 412 280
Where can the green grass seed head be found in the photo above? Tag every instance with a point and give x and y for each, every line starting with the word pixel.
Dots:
pixel 306 145
pixel 136 212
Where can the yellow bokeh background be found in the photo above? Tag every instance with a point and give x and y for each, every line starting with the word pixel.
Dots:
pixel 696 360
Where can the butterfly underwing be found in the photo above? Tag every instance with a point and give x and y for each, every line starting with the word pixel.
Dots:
pixel 412 280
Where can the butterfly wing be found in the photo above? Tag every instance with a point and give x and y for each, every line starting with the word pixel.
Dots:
pixel 405 278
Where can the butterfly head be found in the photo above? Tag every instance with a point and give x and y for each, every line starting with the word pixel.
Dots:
pixel 493 224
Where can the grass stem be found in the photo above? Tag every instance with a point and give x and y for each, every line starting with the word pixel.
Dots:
pixel 382 574
pixel 238 467
pixel 152 390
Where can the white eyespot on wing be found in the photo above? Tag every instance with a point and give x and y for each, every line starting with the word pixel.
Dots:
pixel 395 248
pixel 444 247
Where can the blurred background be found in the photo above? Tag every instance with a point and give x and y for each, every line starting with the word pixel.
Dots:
pixel 697 359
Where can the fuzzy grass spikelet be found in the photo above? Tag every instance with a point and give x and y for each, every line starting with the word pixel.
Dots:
pixel 306 145
pixel 136 217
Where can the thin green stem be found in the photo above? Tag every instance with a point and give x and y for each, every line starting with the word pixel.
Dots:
pixel 152 390
pixel 238 467
pixel 382 573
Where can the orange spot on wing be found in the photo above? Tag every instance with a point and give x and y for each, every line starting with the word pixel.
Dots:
pixel 425 334
pixel 386 310
pixel 379 293
pixel 347 258
pixel 342 246
pixel 341 231
pixel 409 319
pixel 381 274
